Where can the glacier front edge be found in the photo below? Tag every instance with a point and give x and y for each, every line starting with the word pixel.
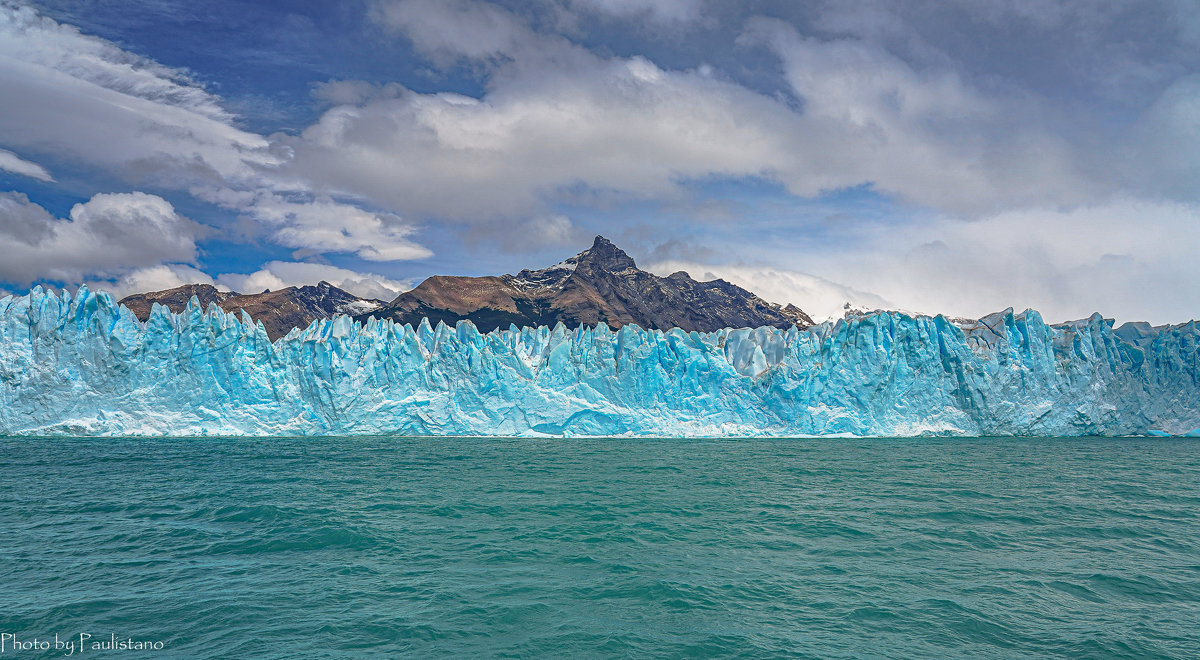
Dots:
pixel 83 365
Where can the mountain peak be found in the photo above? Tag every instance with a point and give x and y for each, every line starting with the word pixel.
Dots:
pixel 602 284
pixel 606 256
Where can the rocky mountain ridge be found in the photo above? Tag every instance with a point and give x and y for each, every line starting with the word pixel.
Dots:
pixel 279 310
pixel 600 284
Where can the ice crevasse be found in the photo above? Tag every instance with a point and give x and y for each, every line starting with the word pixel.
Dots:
pixel 83 365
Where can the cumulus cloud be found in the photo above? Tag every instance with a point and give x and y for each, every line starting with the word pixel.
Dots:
pixel 107 235
pixel 281 274
pixel 152 278
pixel 10 162
pixel 324 225
pixel 623 124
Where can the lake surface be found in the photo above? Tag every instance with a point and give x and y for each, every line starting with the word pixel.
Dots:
pixel 349 547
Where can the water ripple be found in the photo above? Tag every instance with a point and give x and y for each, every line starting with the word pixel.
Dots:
pixel 359 547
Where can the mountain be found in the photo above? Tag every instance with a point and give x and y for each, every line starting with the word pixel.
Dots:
pixel 279 311
pixel 176 299
pixel 601 283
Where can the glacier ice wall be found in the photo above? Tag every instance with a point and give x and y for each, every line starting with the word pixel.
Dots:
pixel 84 365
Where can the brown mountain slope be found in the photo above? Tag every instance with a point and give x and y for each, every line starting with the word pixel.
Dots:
pixel 279 311
pixel 175 299
pixel 599 284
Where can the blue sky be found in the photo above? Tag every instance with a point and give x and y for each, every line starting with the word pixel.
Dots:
pixel 955 157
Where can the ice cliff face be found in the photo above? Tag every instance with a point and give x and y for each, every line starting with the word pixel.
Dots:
pixel 84 365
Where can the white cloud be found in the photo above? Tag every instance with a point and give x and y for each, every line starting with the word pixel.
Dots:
pixel 281 274
pixel 108 235
pixel 557 118
pixel 11 162
pixel 23 222
pixel 450 29
pixel 820 298
pixel 86 100
pixel 666 11
pixel 1130 258
pixel 353 92
pixel 83 97
pixel 273 275
pixel 548 230
pixel 621 124
pixel 524 236
pixel 925 136
pixel 323 225
pixel 152 278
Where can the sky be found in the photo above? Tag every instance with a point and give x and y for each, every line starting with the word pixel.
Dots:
pixel 956 157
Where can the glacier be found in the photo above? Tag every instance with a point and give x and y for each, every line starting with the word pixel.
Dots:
pixel 83 365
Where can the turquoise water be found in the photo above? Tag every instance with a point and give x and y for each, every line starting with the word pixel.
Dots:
pixel 604 548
